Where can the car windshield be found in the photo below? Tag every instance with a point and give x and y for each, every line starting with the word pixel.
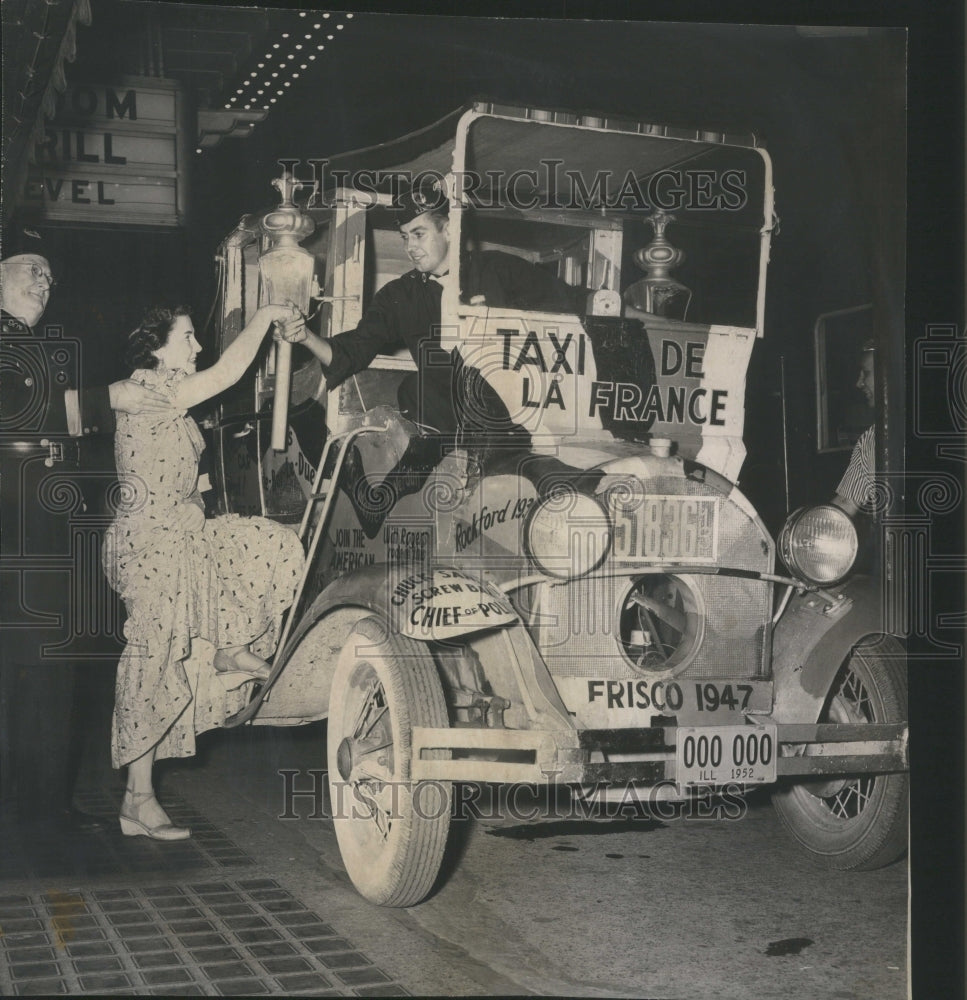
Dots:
pixel 582 204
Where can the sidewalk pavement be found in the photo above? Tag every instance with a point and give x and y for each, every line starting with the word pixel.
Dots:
pixel 251 905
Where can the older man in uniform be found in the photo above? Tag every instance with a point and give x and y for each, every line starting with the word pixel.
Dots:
pixel 448 400
pixel 44 417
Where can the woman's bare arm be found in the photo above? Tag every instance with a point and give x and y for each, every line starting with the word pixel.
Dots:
pixel 236 358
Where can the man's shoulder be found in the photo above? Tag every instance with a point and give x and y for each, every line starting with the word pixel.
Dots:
pixel 406 276
pixel 405 284
pixel 11 325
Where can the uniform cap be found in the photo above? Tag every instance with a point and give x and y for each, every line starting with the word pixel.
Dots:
pixel 21 240
pixel 413 202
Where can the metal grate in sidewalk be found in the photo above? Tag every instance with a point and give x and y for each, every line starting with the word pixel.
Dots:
pixel 241 938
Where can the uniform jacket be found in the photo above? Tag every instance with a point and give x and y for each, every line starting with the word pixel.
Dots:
pixel 406 312
pixel 40 392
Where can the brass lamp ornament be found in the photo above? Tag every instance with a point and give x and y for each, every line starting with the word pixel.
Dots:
pixel 659 293
pixel 287 272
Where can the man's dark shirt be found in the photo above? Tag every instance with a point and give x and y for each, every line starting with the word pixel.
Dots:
pixel 406 312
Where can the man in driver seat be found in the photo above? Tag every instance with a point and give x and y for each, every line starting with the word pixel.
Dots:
pixel 448 400
pixel 856 492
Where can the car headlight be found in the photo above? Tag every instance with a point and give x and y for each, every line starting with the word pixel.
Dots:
pixel 818 544
pixel 568 534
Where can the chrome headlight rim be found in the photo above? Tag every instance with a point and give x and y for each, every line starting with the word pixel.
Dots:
pixel 794 553
pixel 558 502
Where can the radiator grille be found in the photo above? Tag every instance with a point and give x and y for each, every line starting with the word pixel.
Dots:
pixel 581 622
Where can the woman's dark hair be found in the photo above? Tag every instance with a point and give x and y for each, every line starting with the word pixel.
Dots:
pixel 151 334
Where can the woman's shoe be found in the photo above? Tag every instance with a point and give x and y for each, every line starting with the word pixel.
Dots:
pixel 243 663
pixel 132 827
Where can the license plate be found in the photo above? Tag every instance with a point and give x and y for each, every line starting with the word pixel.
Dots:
pixel 662 528
pixel 719 755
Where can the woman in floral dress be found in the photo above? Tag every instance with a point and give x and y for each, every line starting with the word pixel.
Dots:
pixel 227 580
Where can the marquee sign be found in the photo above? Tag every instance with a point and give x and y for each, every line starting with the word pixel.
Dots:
pixel 115 154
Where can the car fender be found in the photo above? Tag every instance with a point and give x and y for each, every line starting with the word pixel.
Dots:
pixel 811 641
pixel 404 601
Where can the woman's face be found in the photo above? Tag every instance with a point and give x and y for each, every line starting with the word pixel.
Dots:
pixel 181 348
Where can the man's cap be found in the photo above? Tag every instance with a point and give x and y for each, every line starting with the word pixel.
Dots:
pixel 22 240
pixel 414 201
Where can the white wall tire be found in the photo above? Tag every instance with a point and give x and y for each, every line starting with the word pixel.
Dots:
pixel 392 832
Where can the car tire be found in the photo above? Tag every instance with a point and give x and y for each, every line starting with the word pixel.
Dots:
pixel 858 822
pixel 392 832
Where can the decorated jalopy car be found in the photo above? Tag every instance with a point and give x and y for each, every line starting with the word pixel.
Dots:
pixel 632 637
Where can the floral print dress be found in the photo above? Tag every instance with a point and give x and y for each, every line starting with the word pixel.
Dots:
pixel 228 582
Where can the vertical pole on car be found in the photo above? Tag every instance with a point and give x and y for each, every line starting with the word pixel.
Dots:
pixel 287 271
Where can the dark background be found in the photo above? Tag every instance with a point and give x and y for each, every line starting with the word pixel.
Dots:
pixel 829 107
pixel 831 110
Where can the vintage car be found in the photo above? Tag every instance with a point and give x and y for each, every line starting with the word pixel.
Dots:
pixel 634 638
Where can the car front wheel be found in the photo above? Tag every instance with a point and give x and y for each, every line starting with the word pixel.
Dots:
pixel 857 822
pixel 391 831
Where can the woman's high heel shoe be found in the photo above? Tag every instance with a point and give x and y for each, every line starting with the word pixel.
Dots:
pixel 243 663
pixel 132 827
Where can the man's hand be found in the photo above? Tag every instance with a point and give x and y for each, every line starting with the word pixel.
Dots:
pixel 291 329
pixel 132 397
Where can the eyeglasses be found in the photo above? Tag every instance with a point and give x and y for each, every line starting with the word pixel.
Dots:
pixel 36 271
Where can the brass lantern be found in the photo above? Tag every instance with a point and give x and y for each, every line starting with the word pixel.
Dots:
pixel 659 293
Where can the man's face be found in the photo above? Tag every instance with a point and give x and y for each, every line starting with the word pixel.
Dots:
pixel 25 287
pixel 865 383
pixel 181 349
pixel 427 242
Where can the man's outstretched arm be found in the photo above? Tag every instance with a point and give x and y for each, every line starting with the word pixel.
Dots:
pixel 91 411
